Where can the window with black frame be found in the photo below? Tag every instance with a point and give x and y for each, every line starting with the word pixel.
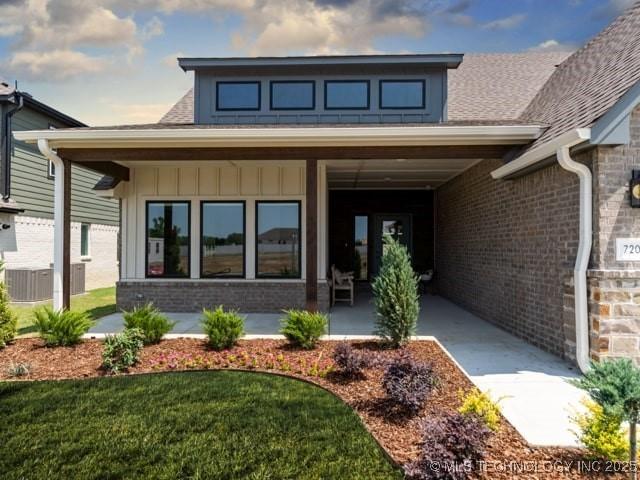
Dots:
pixel 222 239
pixel 168 239
pixel 278 239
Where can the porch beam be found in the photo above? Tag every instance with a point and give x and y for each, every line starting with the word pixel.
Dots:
pixel 93 155
pixel 312 234
pixel 66 237
pixel 112 169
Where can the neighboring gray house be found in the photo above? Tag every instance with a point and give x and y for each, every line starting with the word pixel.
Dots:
pixel 508 174
pixel 26 206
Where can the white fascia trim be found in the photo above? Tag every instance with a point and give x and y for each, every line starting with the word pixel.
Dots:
pixel 287 137
pixel 542 152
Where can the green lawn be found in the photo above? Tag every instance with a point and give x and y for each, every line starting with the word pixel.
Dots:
pixel 196 425
pixel 97 303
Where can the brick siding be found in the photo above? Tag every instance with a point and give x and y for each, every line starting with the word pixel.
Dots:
pixel 194 295
pixel 503 248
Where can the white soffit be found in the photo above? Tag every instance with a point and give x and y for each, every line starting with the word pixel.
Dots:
pixel 394 174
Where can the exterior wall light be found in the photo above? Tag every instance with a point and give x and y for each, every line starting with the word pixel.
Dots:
pixel 634 188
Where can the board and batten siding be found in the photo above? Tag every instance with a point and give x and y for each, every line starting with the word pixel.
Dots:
pixel 32 188
pixel 215 180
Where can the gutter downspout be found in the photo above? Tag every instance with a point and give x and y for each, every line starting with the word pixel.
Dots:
pixel 5 164
pixel 560 147
pixel 582 256
pixel 58 221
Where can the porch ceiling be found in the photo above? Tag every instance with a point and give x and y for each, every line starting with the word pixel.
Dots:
pixel 394 173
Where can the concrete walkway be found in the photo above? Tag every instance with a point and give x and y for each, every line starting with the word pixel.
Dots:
pixel 537 399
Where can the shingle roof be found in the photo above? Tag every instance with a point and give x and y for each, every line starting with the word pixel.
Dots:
pixel 488 86
pixel 5 89
pixel 592 80
pixel 498 85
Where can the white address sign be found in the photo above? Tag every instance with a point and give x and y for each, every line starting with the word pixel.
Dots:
pixel 628 249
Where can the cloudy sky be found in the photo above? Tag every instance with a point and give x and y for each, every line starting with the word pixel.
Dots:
pixel 113 61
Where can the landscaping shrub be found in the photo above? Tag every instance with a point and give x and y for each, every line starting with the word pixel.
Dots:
pixel 615 386
pixel 61 327
pixel 222 328
pixel 396 296
pixel 148 319
pixel 303 328
pixel 8 319
pixel 408 382
pixel 121 350
pixel 602 434
pixel 451 447
pixel 482 406
pixel 349 361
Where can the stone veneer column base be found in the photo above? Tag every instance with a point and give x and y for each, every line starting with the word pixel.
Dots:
pixel 614 314
pixel 193 295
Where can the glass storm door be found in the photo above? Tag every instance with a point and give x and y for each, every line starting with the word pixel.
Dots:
pixel 396 226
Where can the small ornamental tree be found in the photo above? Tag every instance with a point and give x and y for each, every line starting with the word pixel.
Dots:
pixel 615 386
pixel 396 295
pixel 8 319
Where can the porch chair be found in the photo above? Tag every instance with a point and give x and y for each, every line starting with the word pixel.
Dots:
pixel 341 281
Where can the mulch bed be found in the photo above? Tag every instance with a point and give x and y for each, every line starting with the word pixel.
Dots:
pixel 508 455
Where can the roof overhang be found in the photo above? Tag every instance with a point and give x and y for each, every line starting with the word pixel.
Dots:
pixel 285 136
pixel 536 157
pixel 448 60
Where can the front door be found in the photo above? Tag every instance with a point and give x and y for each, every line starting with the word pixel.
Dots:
pixel 396 225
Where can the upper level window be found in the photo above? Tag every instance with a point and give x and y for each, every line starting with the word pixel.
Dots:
pixel 346 94
pixel 402 94
pixel 222 242
pixel 278 239
pixel 168 239
pixel 293 95
pixel 238 96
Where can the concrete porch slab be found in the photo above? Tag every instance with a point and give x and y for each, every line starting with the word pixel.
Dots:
pixel 536 396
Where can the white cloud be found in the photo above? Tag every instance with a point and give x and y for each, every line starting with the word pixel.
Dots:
pixel 552 45
pixel 171 60
pixel 152 28
pixel 139 112
pixel 55 65
pixel 505 23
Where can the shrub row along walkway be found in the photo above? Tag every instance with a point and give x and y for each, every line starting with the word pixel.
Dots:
pixel 538 400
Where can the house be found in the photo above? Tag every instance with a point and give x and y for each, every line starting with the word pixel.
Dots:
pixel 27 210
pixel 507 174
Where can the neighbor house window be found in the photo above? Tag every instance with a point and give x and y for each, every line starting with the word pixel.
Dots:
pixel 222 241
pixel 293 95
pixel 402 94
pixel 168 239
pixel 346 94
pixel 84 239
pixel 238 96
pixel 278 239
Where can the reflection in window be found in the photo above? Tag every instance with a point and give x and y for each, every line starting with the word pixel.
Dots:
pixel 361 243
pixel 278 239
pixel 346 94
pixel 292 95
pixel 222 243
pixel 401 94
pixel 168 239
pixel 238 95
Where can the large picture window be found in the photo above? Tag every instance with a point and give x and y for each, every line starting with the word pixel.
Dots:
pixel 222 239
pixel 238 96
pixel 278 239
pixel 402 94
pixel 168 239
pixel 293 95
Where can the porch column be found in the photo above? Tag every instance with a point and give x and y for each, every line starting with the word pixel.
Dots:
pixel 312 234
pixel 66 237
